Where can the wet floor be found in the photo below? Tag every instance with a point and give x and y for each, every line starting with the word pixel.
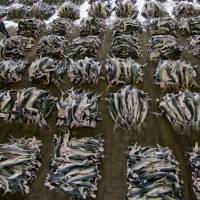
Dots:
pixel 156 130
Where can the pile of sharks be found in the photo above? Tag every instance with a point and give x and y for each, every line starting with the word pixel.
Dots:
pixel 74 165
pixel 123 71
pixel 83 71
pixel 152 173
pixel 19 163
pixel 162 26
pixel 31 105
pixel 30 27
pixel 15 47
pixel 78 108
pixel 11 71
pixel 52 46
pixel 163 46
pixel 128 108
pixel 194 163
pixel 181 110
pixel 175 74
pixel 47 70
